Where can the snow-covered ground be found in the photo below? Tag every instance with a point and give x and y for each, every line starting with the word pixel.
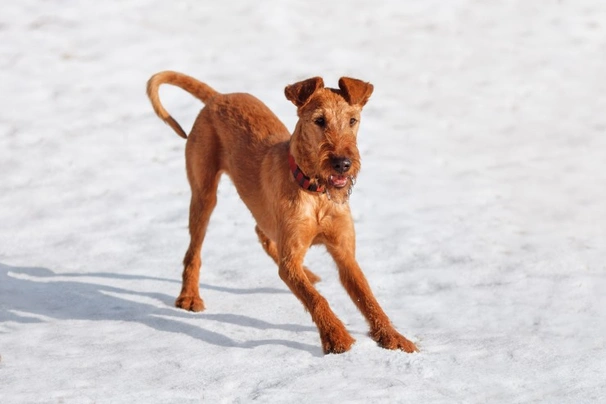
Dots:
pixel 480 210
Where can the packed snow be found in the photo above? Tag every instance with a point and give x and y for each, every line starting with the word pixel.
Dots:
pixel 480 210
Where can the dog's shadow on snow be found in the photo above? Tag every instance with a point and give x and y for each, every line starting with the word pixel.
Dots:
pixel 31 294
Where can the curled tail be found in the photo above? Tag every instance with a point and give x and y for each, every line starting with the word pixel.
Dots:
pixel 196 88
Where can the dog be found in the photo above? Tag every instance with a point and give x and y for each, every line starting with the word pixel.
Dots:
pixel 296 187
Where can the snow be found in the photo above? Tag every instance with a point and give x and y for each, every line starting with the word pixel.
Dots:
pixel 480 210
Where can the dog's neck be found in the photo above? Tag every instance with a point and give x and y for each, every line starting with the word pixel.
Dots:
pixel 303 180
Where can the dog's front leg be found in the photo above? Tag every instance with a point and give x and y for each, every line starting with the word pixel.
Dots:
pixel 334 336
pixel 342 249
pixel 272 250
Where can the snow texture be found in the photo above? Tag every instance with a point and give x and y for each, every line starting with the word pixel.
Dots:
pixel 480 210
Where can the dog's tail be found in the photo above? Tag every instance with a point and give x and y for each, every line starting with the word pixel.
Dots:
pixel 196 88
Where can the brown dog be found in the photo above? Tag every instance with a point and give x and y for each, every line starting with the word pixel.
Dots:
pixel 296 187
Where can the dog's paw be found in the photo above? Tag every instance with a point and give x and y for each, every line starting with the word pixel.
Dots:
pixel 337 342
pixel 191 303
pixel 391 339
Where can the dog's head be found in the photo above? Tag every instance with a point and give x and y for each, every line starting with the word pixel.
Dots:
pixel 324 141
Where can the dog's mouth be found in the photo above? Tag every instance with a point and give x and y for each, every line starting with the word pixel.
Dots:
pixel 338 181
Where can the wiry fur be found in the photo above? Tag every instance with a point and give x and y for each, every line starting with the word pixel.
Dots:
pixel 238 135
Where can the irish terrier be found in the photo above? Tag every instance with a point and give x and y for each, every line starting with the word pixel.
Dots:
pixel 296 188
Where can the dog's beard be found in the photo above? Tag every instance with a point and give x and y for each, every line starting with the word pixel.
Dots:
pixel 339 187
pixel 340 194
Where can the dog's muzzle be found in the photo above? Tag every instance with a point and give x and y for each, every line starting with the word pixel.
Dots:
pixel 341 165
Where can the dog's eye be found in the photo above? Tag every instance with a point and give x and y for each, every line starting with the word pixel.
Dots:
pixel 320 121
pixel 352 121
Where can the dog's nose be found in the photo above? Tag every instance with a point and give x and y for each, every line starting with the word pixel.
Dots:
pixel 341 164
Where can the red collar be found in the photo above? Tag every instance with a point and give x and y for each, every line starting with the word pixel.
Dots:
pixel 303 180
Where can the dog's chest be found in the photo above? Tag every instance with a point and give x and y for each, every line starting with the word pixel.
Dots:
pixel 326 215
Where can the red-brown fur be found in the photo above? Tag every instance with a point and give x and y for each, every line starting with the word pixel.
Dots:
pixel 238 135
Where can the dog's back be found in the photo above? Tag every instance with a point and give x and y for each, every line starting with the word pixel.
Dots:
pixel 246 137
pixel 230 125
pixel 246 127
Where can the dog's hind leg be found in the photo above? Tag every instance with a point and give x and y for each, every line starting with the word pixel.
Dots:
pixel 203 173
pixel 272 250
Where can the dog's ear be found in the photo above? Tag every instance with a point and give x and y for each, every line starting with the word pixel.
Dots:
pixel 355 92
pixel 300 92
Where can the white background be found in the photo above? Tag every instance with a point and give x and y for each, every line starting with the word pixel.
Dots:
pixel 480 210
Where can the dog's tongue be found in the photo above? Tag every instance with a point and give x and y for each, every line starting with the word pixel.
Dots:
pixel 338 181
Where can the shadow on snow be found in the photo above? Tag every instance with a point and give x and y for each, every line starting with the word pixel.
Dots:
pixel 28 293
